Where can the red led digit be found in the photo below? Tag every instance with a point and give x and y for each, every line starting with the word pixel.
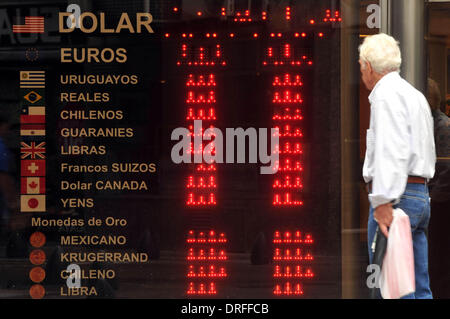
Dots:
pixel 308 239
pixel 277 254
pixel 308 273
pixel 297 237
pixel 287 50
pixel 212 235
pixel 277 237
pixel 191 255
pixel 298 290
pixel 212 254
pixel 287 289
pixel 276 200
pixel 277 272
pixel 191 289
pixel 222 255
pixel 222 272
pixel 298 254
pixel 287 237
pixel 287 254
pixel 222 238
pixel 277 290
pixel 298 272
pixel 201 272
pixel 288 13
pixel 190 182
pixel 212 288
pixel 212 272
pixel 201 255
pixel 201 290
pixel 201 237
pixel 191 272
pixel 287 272
pixel 308 257
pixel 190 200
pixel 212 199
pixel 191 237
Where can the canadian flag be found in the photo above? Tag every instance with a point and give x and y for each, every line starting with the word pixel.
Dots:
pixel 32 185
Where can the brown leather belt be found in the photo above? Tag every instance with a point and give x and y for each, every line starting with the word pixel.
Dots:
pixel 411 180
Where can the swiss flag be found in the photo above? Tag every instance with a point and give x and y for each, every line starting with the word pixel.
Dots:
pixel 32 203
pixel 32 167
pixel 32 185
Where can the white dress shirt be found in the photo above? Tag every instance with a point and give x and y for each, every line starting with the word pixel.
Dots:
pixel 400 140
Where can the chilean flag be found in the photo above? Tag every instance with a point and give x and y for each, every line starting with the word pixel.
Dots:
pixel 33 115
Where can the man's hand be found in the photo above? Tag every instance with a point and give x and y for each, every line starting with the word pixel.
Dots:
pixel 383 215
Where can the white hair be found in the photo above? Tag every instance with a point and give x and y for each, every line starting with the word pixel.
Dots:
pixel 382 52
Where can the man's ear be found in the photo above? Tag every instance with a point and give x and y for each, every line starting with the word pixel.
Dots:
pixel 369 67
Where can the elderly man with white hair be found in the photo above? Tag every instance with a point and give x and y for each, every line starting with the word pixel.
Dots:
pixel 400 155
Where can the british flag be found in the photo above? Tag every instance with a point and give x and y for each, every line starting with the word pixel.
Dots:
pixel 32 150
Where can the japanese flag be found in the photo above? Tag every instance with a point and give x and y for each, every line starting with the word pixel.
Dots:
pixel 32 203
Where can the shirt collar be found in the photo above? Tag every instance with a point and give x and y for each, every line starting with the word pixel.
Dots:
pixel 386 78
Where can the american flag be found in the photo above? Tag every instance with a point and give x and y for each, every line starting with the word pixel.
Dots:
pixel 32 25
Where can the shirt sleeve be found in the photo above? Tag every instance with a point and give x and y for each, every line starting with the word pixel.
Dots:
pixel 391 152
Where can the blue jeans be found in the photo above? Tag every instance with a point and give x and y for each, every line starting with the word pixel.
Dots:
pixel 416 204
